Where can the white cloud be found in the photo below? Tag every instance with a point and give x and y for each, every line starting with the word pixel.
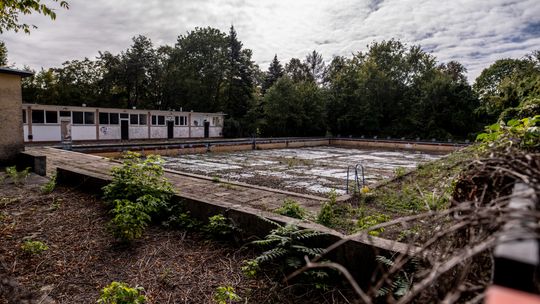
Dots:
pixel 475 33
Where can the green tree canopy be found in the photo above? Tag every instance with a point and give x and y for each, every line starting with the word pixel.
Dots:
pixel 10 10
pixel 3 54
pixel 275 71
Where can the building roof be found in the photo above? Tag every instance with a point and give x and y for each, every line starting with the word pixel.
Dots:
pixel 6 70
pixel 81 108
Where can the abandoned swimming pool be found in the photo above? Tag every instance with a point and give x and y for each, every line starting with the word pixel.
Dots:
pixel 311 170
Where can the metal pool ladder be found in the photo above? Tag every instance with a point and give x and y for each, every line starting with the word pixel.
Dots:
pixel 356 177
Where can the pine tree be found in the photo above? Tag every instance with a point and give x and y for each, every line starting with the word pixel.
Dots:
pixel 275 71
pixel 239 85
pixel 316 65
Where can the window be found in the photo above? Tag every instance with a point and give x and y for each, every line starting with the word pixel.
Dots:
pixel 134 119
pixel 51 116
pixel 154 120
pixel 65 114
pixel 78 118
pixel 124 115
pixel 176 120
pixel 103 118
pixel 161 120
pixel 24 116
pixel 142 119
pixel 88 118
pixel 113 118
pixel 38 116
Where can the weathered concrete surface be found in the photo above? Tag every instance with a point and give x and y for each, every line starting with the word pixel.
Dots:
pixel 11 125
pixel 313 170
pixel 186 184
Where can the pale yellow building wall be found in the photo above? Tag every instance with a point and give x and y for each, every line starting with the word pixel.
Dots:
pixel 11 125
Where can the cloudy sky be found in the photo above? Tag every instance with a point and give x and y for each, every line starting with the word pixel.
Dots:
pixel 474 32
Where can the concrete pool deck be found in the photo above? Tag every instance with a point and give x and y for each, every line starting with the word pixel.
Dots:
pixel 190 185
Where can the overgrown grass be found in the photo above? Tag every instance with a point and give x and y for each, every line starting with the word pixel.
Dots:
pixel 429 187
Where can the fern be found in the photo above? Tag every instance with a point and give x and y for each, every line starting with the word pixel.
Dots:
pixel 272 254
pixel 402 282
pixel 288 245
pixel 384 260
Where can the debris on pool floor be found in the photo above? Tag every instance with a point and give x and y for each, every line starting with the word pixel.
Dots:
pixel 313 170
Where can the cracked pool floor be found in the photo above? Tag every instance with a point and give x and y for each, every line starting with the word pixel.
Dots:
pixel 311 170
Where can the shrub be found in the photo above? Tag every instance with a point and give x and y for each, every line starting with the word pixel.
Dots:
pixel 291 208
pixel 334 215
pixel 34 247
pixel 523 133
pixel 225 295
pixel 121 293
pixel 250 268
pixel 49 186
pixel 327 216
pixel 137 177
pixel 137 192
pixel 177 217
pixel 130 220
pixel 18 177
pixel 219 226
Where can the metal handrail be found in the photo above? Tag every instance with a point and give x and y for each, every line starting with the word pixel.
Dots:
pixel 356 178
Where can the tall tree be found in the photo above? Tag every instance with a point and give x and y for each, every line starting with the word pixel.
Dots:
pixel 316 65
pixel 275 71
pixel 196 70
pixel 298 71
pixel 10 10
pixel 239 86
pixel 489 86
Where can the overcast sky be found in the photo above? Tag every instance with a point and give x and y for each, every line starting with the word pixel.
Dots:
pixel 474 32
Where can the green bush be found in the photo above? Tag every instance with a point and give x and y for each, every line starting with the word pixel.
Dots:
pixel 219 226
pixel 18 177
pixel 334 215
pixel 49 186
pixel 34 247
pixel 121 293
pixel 130 220
pixel 138 177
pixel 250 268
pixel 137 192
pixel 523 133
pixel 225 295
pixel 178 218
pixel 292 209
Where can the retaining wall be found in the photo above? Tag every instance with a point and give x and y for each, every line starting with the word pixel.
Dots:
pixel 174 149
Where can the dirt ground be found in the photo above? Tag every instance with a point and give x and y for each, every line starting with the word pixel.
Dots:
pixel 173 266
